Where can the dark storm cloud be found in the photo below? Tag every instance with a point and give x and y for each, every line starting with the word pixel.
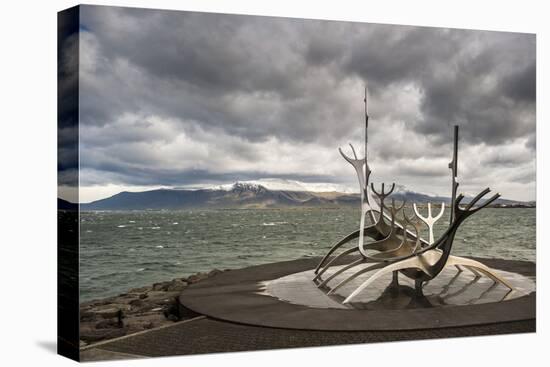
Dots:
pixel 464 77
pixel 149 176
pixel 245 97
pixel 521 84
pixel 67 95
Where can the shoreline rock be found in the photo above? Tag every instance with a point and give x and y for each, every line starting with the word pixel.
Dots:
pixel 136 310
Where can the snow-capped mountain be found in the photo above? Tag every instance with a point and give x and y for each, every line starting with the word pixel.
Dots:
pixel 248 194
pixel 286 185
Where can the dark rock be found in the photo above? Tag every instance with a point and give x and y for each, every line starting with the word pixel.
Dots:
pixel 107 313
pixel 172 317
pixel 142 296
pixel 196 277
pixel 172 312
pixel 161 286
pixel 136 303
pixel 87 315
pixel 214 272
pixel 98 303
pixel 107 324
pixel 177 285
pixel 140 289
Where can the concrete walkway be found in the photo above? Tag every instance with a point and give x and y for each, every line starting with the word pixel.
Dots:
pixel 204 335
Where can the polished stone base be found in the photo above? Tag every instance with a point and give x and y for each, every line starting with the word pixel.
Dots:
pixel 451 288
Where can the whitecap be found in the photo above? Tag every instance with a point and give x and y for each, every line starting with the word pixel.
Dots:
pixel 121 226
pixel 155 227
pixel 159 246
pixel 140 228
pixel 141 269
pixel 131 221
pixel 175 223
pixel 273 223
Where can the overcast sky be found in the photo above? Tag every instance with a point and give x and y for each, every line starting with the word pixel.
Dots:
pixel 178 99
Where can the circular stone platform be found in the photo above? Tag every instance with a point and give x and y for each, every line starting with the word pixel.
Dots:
pixel 282 295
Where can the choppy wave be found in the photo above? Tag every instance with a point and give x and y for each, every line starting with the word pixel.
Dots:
pixel 273 223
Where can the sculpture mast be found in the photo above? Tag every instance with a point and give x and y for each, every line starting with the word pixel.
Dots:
pixel 453 165
pixel 366 195
pixel 367 169
pixel 366 124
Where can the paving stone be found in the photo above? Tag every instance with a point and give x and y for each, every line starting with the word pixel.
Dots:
pixel 212 336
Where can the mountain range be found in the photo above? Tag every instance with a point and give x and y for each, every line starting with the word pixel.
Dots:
pixel 248 195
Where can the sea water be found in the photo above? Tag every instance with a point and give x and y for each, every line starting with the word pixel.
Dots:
pixel 120 250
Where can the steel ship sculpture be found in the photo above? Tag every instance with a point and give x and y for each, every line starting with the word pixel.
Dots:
pixel 391 243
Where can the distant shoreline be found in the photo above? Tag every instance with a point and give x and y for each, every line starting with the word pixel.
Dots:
pixel 498 206
pixel 255 197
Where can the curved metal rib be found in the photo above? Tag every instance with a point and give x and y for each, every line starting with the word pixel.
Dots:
pixel 382 244
pixel 333 260
pixel 341 270
pixel 363 178
pixel 383 193
pixel 404 250
pixel 403 264
pixel 395 209
pixel 351 250
pixel 365 258
pixel 353 235
pixel 375 245
pixel 372 231
pixel 382 223
pixel 456 260
pixel 358 165
pixel 355 275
